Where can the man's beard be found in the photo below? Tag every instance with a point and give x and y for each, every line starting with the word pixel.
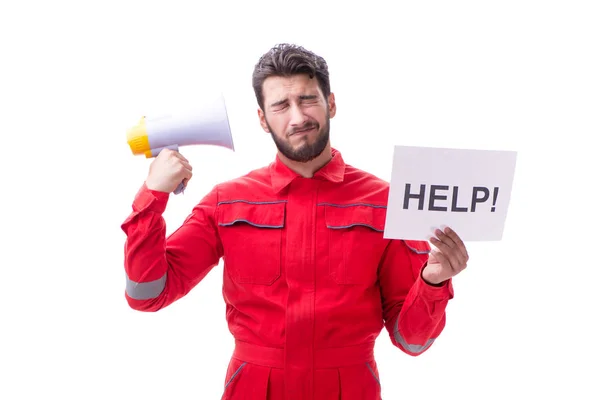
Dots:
pixel 306 152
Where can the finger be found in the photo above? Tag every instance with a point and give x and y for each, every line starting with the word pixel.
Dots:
pixel 457 254
pixel 186 165
pixel 442 249
pixel 174 154
pixel 449 255
pixel 458 241
pixel 178 163
pixel 442 259
pixel 456 251
pixel 187 176
pixel 185 171
pixel 180 156
pixel 445 238
pixel 164 153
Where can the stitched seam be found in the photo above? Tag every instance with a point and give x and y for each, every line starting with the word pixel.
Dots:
pixel 251 202
pixel 351 205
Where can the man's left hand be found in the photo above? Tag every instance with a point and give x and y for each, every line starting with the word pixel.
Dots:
pixel 448 260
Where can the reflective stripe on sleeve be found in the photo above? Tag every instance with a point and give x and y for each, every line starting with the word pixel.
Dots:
pixel 413 348
pixel 145 290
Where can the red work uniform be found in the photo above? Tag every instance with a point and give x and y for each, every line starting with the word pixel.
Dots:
pixel 309 281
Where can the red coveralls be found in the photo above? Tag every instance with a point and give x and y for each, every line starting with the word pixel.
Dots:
pixel 309 282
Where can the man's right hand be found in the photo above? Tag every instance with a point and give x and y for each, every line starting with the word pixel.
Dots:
pixel 167 171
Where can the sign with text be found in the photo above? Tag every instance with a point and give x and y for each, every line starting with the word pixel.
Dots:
pixel 467 190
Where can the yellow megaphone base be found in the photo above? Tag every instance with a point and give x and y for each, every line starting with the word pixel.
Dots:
pixel 137 138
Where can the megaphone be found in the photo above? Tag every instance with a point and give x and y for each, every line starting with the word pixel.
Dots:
pixel 205 123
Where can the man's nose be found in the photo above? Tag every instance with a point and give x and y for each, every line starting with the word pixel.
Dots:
pixel 297 116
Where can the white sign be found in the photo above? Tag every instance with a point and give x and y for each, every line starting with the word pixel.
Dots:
pixel 467 190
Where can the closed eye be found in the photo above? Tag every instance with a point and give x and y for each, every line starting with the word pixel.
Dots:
pixel 280 107
pixel 309 99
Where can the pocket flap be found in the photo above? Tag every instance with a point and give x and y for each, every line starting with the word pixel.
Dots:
pixel 418 246
pixel 344 217
pixel 258 214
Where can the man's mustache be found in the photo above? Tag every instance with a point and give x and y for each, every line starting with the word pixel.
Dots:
pixel 303 128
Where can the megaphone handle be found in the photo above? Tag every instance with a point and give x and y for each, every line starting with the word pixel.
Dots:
pixel 179 188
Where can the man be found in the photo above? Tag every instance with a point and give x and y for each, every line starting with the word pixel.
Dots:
pixel 309 282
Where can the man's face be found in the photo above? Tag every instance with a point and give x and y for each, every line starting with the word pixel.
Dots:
pixel 296 114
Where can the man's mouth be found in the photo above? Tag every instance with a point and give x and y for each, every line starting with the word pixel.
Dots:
pixel 304 130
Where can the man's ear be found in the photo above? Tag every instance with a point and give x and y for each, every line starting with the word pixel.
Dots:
pixel 262 120
pixel 332 106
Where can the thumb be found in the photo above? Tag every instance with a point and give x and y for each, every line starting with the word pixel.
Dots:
pixel 433 259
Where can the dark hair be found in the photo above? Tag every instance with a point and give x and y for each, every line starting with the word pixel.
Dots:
pixel 287 60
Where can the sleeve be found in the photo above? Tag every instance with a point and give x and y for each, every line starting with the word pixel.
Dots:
pixel 414 312
pixel 159 270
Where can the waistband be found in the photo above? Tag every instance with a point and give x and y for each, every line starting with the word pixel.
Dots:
pixel 336 357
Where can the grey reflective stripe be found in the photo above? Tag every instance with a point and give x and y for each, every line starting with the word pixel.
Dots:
pixel 145 290
pixel 373 373
pixel 234 374
pixel 417 251
pixel 251 202
pixel 413 348
pixel 351 225
pixel 351 205
pixel 250 223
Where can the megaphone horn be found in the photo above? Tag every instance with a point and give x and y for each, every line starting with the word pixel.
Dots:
pixel 204 124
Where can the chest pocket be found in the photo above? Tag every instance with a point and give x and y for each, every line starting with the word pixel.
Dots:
pixel 355 242
pixel 251 233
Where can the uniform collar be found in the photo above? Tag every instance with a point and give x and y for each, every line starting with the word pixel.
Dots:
pixel 333 171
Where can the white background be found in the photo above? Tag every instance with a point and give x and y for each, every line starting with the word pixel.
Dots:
pixel 515 75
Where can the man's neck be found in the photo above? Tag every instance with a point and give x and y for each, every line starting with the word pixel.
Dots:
pixel 308 169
